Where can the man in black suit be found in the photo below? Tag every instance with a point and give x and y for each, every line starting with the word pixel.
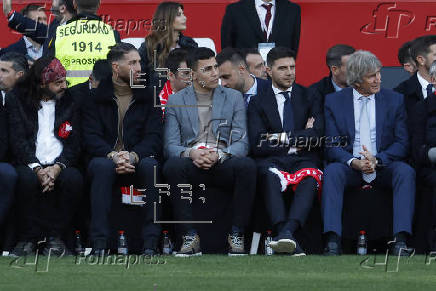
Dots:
pixel 285 124
pixel 27 46
pixel 8 175
pixel 13 66
pixel 122 135
pixel 234 74
pixel 405 58
pixel 418 86
pixel 45 145
pixel 250 22
pixel 423 141
pixel 336 60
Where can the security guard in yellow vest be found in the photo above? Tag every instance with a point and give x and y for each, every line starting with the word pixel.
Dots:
pixel 82 41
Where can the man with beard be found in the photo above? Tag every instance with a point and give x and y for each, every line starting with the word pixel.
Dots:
pixel 255 63
pixel 45 146
pixel 122 134
pixel 336 60
pixel 234 74
pixel 284 120
pixel 419 86
pixel 40 32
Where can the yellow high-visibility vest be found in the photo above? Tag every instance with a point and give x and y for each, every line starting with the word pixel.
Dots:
pixel 80 44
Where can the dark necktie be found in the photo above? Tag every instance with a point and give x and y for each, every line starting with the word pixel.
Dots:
pixel 429 89
pixel 267 18
pixel 288 116
pixel 246 99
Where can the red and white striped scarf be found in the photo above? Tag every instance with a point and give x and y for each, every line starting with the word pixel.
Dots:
pixel 165 93
pixel 287 179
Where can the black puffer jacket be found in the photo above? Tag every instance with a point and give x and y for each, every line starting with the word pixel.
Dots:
pixel 142 124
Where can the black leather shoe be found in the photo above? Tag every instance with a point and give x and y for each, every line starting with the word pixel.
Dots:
pixel 150 252
pixel 400 249
pixel 23 248
pixel 333 248
pixel 55 246
pixel 99 252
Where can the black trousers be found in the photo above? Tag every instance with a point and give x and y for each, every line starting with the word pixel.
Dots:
pixel 428 176
pixel 8 178
pixel 103 178
pixel 237 174
pixel 270 186
pixel 47 213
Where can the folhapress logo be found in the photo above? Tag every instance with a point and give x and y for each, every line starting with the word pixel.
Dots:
pixel 388 20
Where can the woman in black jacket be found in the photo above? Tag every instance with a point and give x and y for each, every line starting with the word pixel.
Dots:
pixel 166 35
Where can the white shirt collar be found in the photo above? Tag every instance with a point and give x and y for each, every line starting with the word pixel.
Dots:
pixel 259 3
pixel 357 95
pixel 253 89
pixel 424 83
pixel 29 45
pixel 47 103
pixel 278 91
pixel 335 86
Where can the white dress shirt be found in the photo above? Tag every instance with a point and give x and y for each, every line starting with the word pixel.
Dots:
pixel 253 90
pixel 424 83
pixel 357 147
pixel 280 106
pixel 3 97
pixel 261 11
pixel 48 147
pixel 33 52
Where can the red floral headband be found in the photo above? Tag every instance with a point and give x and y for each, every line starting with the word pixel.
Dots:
pixel 53 72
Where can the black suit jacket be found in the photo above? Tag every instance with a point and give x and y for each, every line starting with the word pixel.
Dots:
pixel 263 118
pixel 23 122
pixel 17 47
pixel 39 32
pixel 423 133
pixel 324 87
pixel 241 27
pixel 4 140
pixel 412 91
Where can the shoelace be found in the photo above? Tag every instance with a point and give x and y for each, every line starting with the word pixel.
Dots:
pixel 188 239
pixel 237 241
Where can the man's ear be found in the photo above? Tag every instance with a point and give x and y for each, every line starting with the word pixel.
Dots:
pixel 194 75
pixel 19 74
pixel 115 67
pixel 62 9
pixel 334 70
pixel 269 71
pixel 241 69
pixel 420 60
pixel 171 76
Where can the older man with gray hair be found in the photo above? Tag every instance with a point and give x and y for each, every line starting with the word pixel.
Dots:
pixel 373 121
